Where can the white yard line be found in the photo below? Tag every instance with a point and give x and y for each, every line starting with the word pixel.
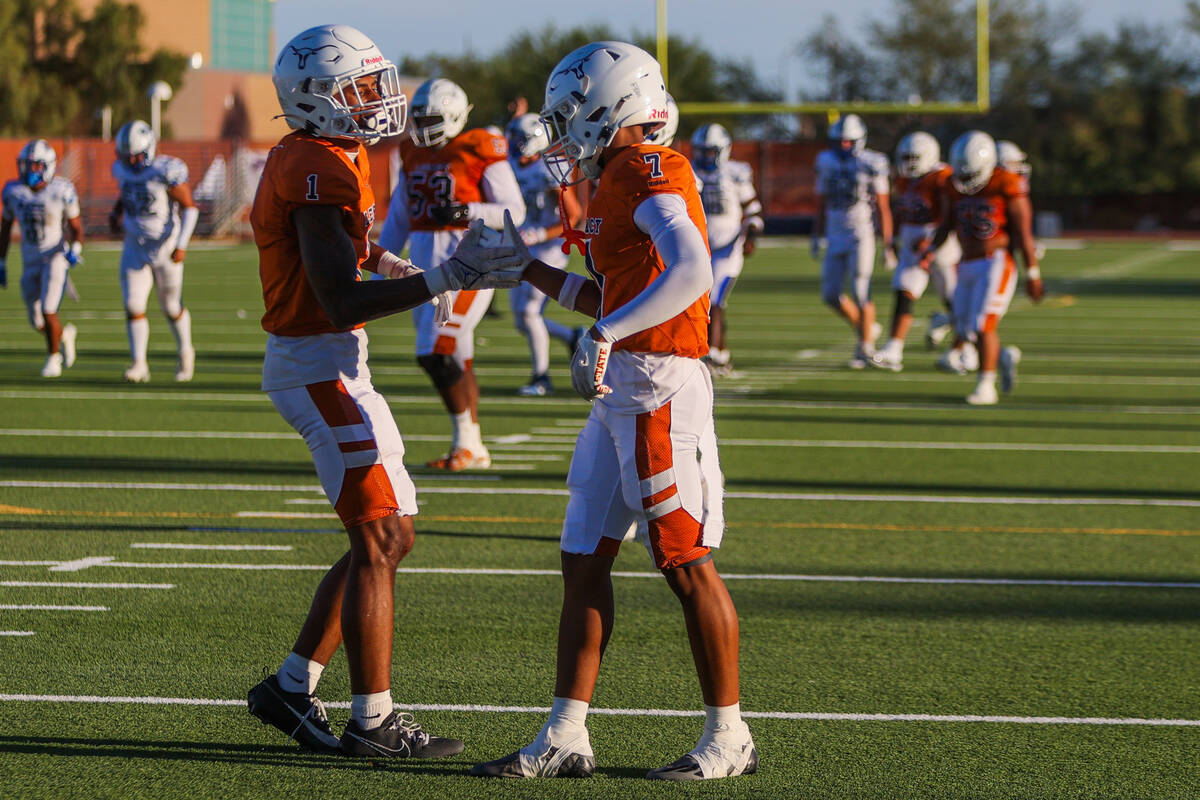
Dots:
pixel 104 561
pixel 9 607
pixel 16 633
pixel 1016 446
pixel 632 712
pixel 808 496
pixel 173 546
pixel 549 402
pixel 82 585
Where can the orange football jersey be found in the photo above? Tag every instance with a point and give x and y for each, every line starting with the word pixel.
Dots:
pixel 437 176
pixel 915 201
pixel 624 260
pixel 984 215
pixel 304 170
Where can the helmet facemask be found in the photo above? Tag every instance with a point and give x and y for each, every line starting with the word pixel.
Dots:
pixel 36 164
pixel 364 105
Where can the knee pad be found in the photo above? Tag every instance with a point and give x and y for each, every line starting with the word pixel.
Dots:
pixel 443 370
pixel 904 303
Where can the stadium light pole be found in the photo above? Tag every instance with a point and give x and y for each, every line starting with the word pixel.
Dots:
pixel 158 91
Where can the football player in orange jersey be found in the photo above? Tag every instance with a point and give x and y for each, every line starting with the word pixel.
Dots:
pixel 448 178
pixel 646 458
pixel 311 216
pixel 989 207
pixel 916 202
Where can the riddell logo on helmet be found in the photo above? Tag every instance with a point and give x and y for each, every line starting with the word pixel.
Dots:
pixel 658 113
pixel 374 60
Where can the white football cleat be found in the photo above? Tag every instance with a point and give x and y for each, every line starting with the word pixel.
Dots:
pixel 1009 358
pixel 186 367
pixel 67 343
pixel 939 329
pixel 54 366
pixel 138 373
pixel 886 359
pixel 951 361
pixel 546 757
pixel 718 755
pixel 984 395
pixel 970 357
pixel 461 458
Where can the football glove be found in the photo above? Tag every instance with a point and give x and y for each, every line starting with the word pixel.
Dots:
pixel 450 213
pixel 517 237
pixel 74 253
pixel 588 366
pixel 481 261
pixel 889 257
pixel 3 273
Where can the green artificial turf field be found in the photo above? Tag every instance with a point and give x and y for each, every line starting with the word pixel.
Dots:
pixel 936 601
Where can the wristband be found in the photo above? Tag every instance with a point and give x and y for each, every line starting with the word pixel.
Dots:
pixel 1033 274
pixel 393 266
pixel 570 290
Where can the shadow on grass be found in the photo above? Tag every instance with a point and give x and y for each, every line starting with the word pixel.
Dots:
pixel 248 754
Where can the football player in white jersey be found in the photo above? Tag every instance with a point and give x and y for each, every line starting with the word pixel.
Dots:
pixel 734 223
pixel 541 232
pixel 852 186
pixel 159 218
pixel 450 176
pixel 47 209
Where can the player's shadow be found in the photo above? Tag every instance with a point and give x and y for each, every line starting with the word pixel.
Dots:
pixel 242 754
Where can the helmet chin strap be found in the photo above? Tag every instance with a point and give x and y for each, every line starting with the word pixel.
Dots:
pixel 571 236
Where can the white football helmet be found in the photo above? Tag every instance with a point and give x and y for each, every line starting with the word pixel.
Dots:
pixel 711 146
pixel 1011 157
pixel 135 143
pixel 849 128
pixel 527 136
pixel 594 92
pixel 37 152
pixel 917 154
pixel 439 112
pixel 319 77
pixel 973 159
pixel 665 136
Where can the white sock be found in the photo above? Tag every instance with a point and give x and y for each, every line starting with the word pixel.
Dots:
pixel 370 710
pixel 182 328
pixel 987 378
pixel 567 716
pixel 299 674
pixel 139 338
pixel 720 719
pixel 466 433
pixel 896 347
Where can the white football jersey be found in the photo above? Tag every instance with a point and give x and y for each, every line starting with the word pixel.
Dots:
pixel 728 195
pixel 540 192
pixel 848 185
pixel 41 215
pixel 150 213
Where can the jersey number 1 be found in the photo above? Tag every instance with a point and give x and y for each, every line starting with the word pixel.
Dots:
pixel 312 188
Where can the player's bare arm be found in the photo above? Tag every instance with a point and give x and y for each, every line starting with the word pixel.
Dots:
pixel 1020 212
pixel 6 223
pixel 330 262
pixel 551 281
pixel 182 194
pixel 114 217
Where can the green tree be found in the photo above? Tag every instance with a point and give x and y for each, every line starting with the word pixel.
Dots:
pixel 60 68
pixel 521 67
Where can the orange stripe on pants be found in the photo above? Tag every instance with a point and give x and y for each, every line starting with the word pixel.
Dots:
pixel 676 536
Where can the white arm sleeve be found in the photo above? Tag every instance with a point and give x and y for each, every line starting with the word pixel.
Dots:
pixel 500 187
pixel 686 277
pixel 395 228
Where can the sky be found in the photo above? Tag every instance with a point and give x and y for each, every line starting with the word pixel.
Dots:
pixel 764 32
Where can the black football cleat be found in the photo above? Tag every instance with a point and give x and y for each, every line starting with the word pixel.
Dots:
pixel 301 716
pixel 397 737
